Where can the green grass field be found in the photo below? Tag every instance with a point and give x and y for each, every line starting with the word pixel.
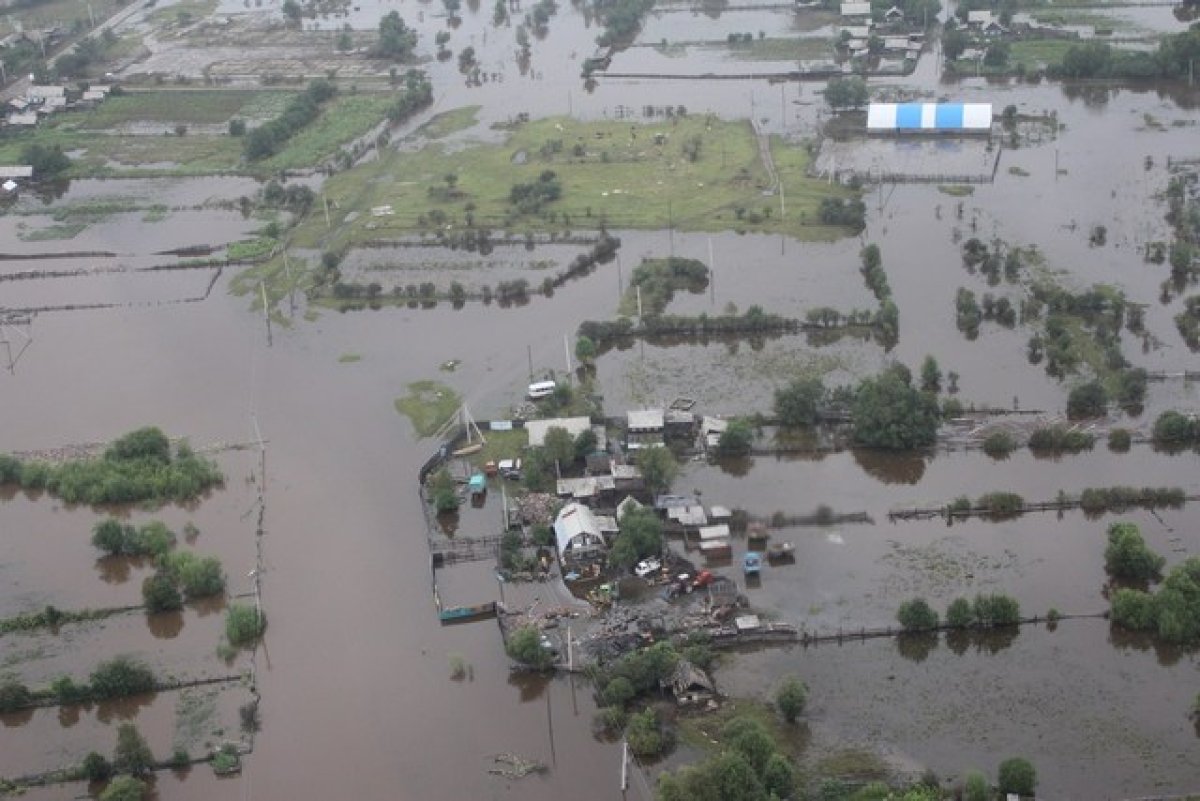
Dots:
pixel 428 405
pixel 1036 53
pixel 449 122
pixel 621 175
pixel 103 151
pixel 187 106
pixel 771 49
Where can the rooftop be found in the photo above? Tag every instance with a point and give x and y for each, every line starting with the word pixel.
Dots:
pixel 537 428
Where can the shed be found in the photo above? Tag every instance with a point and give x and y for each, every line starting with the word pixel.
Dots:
pixel 857 31
pixel 37 92
pixel 688 516
pixel 711 533
pixel 929 118
pixel 626 477
pixel 537 428
pixel 893 14
pixel 645 420
pixel 12 171
pixel 665 502
pixel 895 43
pixel 690 684
pixel 576 531
pixel 27 118
pixel 719 513
pixel 979 17
pixel 19 103
pixel 747 623
pixel 856 9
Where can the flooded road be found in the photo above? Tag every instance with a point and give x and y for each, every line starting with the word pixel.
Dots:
pixel 358 698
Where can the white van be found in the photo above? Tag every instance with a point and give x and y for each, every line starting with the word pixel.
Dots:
pixel 541 389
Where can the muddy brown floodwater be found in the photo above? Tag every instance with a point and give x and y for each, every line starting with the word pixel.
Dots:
pixel 354 670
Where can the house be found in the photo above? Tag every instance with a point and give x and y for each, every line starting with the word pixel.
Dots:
pixel 857 31
pixel 537 428
pixel 626 477
pixel 644 428
pixel 577 532
pixel 893 14
pixel 993 28
pixel 690 685
pixel 859 10
pixel 979 18
pixel 712 428
pixel 10 172
pixel 664 503
pixel 691 516
pixel 719 513
pixel 895 43
pixel 26 118
pixel 38 92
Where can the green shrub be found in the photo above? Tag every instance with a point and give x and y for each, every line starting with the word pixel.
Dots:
pixel 1057 439
pixel 976 787
pixel 196 576
pixel 1017 775
pixel 999 443
pixel 917 615
pixel 996 610
pixel 124 788
pixel 14 695
pixel 120 677
pixel 645 735
pixel 1128 557
pixel 959 614
pixel 67 691
pixel 791 698
pixel 244 624
pixel 1087 400
pixel 95 768
pixel 618 692
pixel 132 754
pixel 1133 609
pixel 1173 428
pixel 1001 504
pixel 1119 440
pixel 159 593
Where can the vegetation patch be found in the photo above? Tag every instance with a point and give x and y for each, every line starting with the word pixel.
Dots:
pixel 428 405
pixel 189 106
pixel 140 466
pixel 449 122
pixel 609 173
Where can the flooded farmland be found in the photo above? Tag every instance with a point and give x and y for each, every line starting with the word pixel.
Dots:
pixel 359 697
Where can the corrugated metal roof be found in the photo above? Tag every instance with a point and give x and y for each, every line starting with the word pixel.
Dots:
pixel 929 117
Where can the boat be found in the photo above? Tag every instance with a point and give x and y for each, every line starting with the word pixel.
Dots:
pixel 467 450
pixel 463 614
pixel 541 389
pixel 780 551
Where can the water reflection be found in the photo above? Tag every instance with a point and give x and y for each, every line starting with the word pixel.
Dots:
pixel 12 720
pixel 204 607
pixel 736 466
pixel 917 647
pixel 115 569
pixel 123 708
pixel 891 467
pixel 532 685
pixel 69 714
pixel 991 641
pixel 1168 654
pixel 165 625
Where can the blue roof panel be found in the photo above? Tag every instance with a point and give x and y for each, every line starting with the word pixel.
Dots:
pixel 908 115
pixel 949 115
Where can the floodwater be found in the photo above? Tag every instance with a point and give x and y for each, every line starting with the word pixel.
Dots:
pixel 358 700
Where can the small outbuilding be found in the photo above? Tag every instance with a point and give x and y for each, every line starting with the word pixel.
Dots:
pixel 691 685
pixel 577 532
pixel 537 428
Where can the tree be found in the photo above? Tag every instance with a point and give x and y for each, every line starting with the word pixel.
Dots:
pixel 791 698
pixel 954 42
pixel 931 375
pixel 995 610
pixel 799 403
pixel 111 537
pixel 644 734
pixel 917 615
pixel 48 161
pixel 132 754
pixel 396 40
pixel 888 412
pixel 159 593
pixel 124 788
pixel 1173 428
pixel 736 439
pixel 658 467
pixel 525 646
pixel 753 742
pixel 445 494
pixel 120 677
pixel 976 787
pixel 846 92
pixel 196 576
pixel 1127 555
pixel 1017 775
pixel 292 11
pixel 585 444
pixel 1087 400
pixel 148 443
pixel 237 127
pixel 618 692
pixel 559 446
pixel 779 777
pixel 640 536
pixel 997 54
pixel 585 349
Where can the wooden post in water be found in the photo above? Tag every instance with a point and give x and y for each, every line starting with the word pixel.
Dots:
pixel 266 310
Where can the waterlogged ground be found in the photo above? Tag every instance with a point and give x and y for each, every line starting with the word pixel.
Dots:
pixel 358 698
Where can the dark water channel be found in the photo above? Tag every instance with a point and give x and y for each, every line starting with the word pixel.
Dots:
pixel 354 672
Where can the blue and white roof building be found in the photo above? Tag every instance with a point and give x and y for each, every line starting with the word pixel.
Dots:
pixel 943 118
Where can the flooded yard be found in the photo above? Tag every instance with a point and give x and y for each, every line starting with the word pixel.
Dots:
pixel 359 698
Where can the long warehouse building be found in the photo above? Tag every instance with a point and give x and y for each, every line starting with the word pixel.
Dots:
pixel 945 118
